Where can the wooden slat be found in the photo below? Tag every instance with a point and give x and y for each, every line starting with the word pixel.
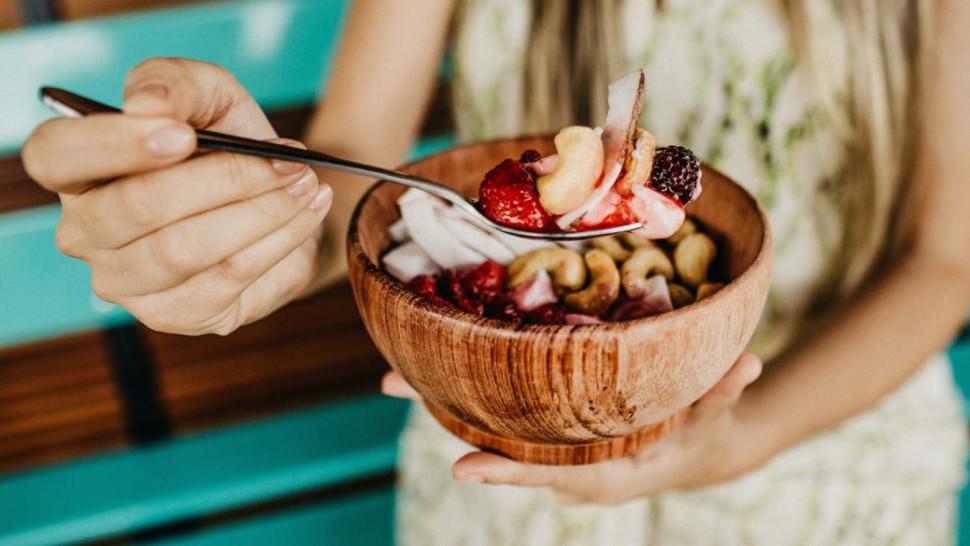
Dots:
pixel 9 15
pixel 82 9
pixel 17 190
pixel 309 352
pixel 58 401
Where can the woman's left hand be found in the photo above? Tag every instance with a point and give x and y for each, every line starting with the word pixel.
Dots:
pixel 717 442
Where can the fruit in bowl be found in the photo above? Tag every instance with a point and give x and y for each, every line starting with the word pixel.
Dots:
pixel 559 393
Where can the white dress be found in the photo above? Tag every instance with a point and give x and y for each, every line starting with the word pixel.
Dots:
pixel 722 80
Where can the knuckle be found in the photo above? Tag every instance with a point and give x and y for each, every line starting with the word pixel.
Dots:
pixel 237 270
pixel 153 67
pixel 68 239
pixel 175 254
pixel 246 172
pixel 138 203
pixel 102 287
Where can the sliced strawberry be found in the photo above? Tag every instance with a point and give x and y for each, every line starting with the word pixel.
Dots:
pixel 508 196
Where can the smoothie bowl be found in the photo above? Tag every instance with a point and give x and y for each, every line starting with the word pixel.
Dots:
pixel 574 393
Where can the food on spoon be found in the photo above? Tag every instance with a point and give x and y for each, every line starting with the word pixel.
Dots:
pixel 598 178
pixel 579 165
pixel 509 196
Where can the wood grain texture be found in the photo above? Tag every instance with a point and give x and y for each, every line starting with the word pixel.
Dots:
pixel 81 9
pixel 58 400
pixel 571 387
pixel 9 15
pixel 311 351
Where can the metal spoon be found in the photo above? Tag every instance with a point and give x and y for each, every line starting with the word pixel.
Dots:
pixel 72 105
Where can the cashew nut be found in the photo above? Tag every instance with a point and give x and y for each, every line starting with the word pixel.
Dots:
pixel 635 241
pixel 684 230
pixel 693 257
pixel 604 285
pixel 612 246
pixel 644 262
pixel 638 162
pixel 679 295
pixel 565 266
pixel 708 288
pixel 577 172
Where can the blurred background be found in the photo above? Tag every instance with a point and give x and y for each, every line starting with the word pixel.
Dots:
pixel 113 434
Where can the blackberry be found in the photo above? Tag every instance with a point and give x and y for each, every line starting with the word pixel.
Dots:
pixel 676 172
pixel 530 156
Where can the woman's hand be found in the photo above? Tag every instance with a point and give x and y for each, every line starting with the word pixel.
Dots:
pixel 188 245
pixel 715 443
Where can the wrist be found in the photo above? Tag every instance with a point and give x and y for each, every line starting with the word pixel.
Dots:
pixel 762 431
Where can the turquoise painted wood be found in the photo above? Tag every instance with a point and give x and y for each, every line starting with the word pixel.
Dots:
pixel 279 50
pixel 365 519
pixel 42 292
pixel 197 475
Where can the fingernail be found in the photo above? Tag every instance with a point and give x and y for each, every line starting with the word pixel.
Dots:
pixel 322 200
pixel 471 478
pixel 154 88
pixel 169 140
pixel 284 168
pixel 302 186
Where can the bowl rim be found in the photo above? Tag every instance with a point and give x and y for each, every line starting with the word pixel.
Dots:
pixel 355 251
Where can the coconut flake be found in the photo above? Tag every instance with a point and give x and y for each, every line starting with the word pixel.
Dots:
pixel 477 239
pixel 408 261
pixel 399 231
pixel 426 230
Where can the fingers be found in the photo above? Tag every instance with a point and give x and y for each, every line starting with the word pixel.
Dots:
pixel 241 288
pixel 188 247
pixel 68 156
pixel 728 390
pixel 199 93
pixel 480 467
pixel 392 384
pixel 114 215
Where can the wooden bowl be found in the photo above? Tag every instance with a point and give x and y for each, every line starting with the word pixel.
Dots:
pixel 560 394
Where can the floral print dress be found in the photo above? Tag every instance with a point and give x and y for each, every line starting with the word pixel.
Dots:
pixel 722 80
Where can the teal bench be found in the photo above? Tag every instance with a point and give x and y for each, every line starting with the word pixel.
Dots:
pixel 197 475
pixel 280 50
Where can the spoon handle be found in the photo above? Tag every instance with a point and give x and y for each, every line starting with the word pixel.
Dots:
pixel 71 104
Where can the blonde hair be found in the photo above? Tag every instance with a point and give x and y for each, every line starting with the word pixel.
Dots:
pixel 885 38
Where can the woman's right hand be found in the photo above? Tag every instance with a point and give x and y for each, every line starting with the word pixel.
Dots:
pixel 187 245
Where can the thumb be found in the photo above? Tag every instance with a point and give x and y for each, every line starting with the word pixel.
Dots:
pixel 201 94
pixel 725 394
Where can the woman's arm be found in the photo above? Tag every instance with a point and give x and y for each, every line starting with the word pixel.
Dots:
pixel 372 109
pixel 912 310
pixel 883 336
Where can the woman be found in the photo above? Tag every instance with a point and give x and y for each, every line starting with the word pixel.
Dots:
pixel 853 434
